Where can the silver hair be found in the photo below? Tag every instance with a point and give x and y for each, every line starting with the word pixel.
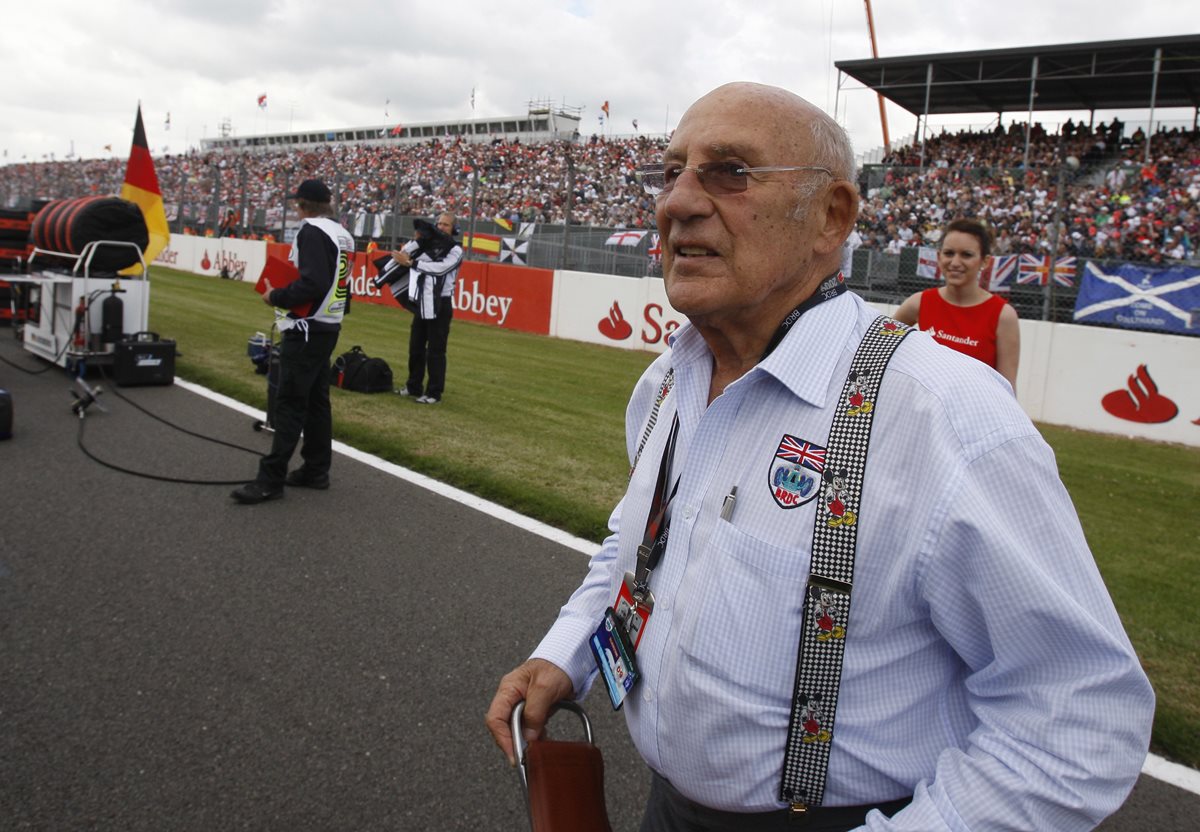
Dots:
pixel 831 148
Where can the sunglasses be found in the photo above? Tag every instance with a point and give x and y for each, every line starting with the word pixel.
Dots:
pixel 717 178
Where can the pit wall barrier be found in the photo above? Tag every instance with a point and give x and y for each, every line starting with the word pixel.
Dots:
pixel 1141 384
pixel 242 259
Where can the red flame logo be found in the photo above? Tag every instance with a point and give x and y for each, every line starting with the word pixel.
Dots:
pixel 615 326
pixel 1141 402
pixel 206 264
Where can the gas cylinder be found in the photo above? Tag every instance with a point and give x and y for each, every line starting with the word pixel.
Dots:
pixel 112 317
pixel 80 325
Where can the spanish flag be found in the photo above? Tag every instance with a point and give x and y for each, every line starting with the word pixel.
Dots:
pixel 485 244
pixel 141 187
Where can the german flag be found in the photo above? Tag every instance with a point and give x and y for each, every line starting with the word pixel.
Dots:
pixel 141 187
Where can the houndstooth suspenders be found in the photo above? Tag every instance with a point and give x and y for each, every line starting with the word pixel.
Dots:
pixel 827 596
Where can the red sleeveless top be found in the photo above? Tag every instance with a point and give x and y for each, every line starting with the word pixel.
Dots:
pixel 968 329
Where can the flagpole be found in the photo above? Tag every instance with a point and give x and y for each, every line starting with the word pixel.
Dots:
pixel 1048 302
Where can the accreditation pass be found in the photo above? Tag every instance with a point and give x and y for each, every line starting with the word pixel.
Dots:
pixel 615 657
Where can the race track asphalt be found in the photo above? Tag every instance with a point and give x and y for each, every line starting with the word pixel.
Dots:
pixel 170 660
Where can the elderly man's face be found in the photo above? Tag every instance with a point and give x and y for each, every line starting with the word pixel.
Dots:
pixel 445 223
pixel 732 257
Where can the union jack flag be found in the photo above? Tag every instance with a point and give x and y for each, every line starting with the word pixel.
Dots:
pixel 1064 271
pixel 999 272
pixel 655 250
pixel 807 454
pixel 1035 268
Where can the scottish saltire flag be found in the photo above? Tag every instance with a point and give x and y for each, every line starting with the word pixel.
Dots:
pixel 1137 297
pixel 927 264
pixel 1035 268
pixel 999 273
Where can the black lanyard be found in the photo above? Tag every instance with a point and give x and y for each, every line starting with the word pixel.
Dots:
pixel 658 521
pixel 829 289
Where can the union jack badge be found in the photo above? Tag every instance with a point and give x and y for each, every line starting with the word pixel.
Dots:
pixel 795 475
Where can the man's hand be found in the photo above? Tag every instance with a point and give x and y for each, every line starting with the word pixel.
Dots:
pixel 540 684
pixel 267 290
pixel 402 258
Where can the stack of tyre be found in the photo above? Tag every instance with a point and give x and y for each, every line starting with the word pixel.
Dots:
pixel 15 248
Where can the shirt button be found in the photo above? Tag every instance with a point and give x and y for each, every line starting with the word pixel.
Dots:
pixel 688 513
pixel 648 695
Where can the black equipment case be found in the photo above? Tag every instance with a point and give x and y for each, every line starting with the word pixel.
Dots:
pixel 144 358
pixel 6 414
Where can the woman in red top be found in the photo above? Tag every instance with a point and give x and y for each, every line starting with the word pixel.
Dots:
pixel 962 314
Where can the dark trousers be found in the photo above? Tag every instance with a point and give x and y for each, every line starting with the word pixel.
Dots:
pixel 427 351
pixel 301 406
pixel 669 811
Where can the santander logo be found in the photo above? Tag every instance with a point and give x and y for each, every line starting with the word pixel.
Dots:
pixel 615 326
pixel 1141 402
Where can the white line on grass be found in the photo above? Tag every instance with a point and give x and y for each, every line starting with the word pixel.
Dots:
pixel 1157 767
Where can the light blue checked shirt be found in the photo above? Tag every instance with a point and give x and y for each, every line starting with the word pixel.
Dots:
pixel 986 670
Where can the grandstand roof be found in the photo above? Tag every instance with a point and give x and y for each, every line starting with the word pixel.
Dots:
pixel 1109 75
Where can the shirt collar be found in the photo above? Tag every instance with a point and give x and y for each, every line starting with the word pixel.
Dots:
pixel 808 357
pixel 804 362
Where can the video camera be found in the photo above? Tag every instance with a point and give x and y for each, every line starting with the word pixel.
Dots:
pixel 430 240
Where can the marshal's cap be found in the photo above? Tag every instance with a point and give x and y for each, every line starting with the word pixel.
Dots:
pixel 314 190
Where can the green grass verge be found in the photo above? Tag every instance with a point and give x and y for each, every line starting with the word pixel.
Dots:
pixel 537 424
pixel 1138 503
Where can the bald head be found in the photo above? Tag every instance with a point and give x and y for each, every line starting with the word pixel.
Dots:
pixel 801 129
pixel 735 256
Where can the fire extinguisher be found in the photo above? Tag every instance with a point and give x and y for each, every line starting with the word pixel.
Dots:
pixel 112 317
pixel 80 330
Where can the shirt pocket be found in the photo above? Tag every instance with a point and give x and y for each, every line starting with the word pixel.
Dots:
pixel 746 623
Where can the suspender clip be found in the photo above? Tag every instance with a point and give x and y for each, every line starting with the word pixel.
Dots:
pixel 831 584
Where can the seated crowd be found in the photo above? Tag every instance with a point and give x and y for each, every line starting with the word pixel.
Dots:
pixel 1117 207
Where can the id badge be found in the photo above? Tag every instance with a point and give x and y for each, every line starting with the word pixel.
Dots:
pixel 614 656
pixel 632 613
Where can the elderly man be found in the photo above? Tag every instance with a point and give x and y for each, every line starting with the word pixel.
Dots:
pixel 860 594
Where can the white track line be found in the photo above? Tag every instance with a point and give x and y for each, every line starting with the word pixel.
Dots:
pixel 1157 767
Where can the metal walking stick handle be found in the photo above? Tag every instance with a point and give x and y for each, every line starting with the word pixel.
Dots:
pixel 516 725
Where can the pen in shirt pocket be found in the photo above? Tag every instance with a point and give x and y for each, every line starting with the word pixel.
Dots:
pixel 727 505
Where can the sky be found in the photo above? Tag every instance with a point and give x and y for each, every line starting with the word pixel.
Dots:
pixel 77 70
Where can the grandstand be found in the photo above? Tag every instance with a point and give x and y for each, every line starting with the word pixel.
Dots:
pixel 542 122
pixel 1108 191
